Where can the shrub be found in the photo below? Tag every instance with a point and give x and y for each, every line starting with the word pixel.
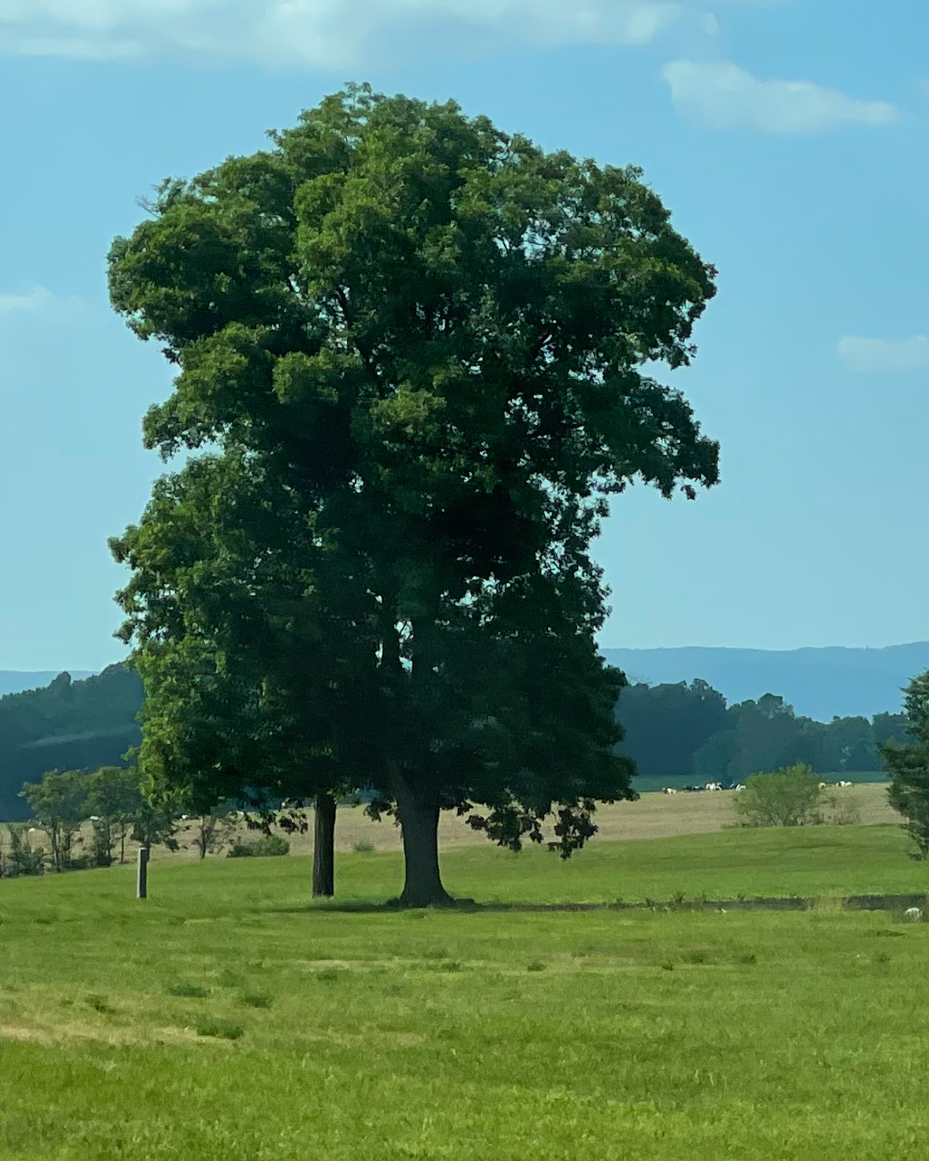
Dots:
pixel 364 846
pixel 786 797
pixel 269 844
pixel 22 858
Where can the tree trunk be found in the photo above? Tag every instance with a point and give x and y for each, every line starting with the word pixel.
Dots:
pixel 324 846
pixel 419 824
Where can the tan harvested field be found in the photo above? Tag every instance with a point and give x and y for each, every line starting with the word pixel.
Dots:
pixel 652 816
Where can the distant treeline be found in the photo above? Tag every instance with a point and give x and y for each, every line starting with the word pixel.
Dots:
pixel 671 731
pixel 68 725
pixel 688 731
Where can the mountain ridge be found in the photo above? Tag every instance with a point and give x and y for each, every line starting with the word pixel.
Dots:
pixel 819 682
pixel 23 680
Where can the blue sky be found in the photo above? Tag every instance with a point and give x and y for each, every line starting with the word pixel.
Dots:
pixel 790 140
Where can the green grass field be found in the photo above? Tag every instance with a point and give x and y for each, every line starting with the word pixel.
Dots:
pixel 224 1018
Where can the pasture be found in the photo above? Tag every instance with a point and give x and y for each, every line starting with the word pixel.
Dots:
pixel 225 1018
pixel 654 815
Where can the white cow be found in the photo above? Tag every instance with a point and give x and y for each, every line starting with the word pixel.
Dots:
pixel 913 913
pixel 713 786
pixel 843 784
pixel 668 790
pixel 822 786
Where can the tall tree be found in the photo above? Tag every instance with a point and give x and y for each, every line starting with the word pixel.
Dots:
pixel 426 337
pixel 908 764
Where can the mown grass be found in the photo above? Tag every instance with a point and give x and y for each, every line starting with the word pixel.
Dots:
pixel 226 1019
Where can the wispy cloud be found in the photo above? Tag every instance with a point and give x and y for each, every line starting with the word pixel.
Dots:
pixel 323 33
pixel 27 302
pixel 721 95
pixel 877 355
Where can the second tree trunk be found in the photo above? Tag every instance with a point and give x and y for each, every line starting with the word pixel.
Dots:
pixel 418 809
pixel 324 846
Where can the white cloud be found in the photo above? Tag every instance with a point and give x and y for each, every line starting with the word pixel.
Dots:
pixel 324 33
pixel 721 95
pixel 876 355
pixel 38 298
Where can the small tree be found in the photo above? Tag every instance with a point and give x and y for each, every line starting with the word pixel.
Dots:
pixel 908 766
pixel 843 808
pixel 58 804
pixel 155 823
pixel 786 797
pixel 211 832
pixel 113 801
pixel 21 858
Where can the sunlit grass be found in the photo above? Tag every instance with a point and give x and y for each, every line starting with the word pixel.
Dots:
pixel 224 1018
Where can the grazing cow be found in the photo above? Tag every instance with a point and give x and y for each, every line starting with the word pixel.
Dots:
pixel 668 790
pixel 822 786
pixel 741 786
pixel 843 784
pixel 913 913
pixel 713 786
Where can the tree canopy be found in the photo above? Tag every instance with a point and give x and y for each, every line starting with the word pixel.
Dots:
pixel 908 764
pixel 410 355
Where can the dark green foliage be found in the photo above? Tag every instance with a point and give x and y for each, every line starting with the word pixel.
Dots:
pixel 767 735
pixel 266 846
pixel 193 991
pixel 890 728
pixel 416 347
pixel 908 765
pixel 786 797
pixel 78 725
pixel 762 735
pixel 665 725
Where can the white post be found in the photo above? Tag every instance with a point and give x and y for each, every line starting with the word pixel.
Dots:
pixel 142 873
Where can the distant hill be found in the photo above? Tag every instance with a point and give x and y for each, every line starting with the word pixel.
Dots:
pixel 818 683
pixel 67 725
pixel 18 681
